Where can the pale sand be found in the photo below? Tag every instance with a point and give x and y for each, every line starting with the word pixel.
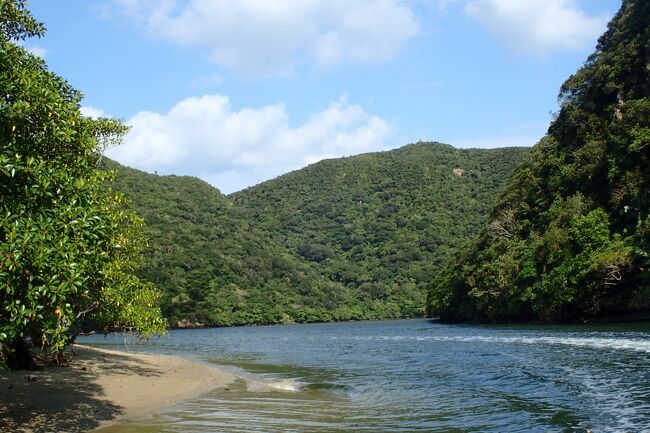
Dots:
pixel 99 388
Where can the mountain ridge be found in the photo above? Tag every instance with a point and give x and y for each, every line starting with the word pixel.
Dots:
pixel 342 239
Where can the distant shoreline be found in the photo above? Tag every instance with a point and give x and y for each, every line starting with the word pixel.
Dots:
pixel 605 320
pixel 100 388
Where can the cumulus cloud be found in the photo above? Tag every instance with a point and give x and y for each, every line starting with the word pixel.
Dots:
pixel 272 36
pixel 92 112
pixel 205 137
pixel 537 27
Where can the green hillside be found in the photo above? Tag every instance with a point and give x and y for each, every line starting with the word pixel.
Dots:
pixel 213 269
pixel 380 224
pixel 570 236
pixel 343 239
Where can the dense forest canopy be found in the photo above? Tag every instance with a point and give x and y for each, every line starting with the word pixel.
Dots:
pixel 344 239
pixel 570 236
pixel 68 247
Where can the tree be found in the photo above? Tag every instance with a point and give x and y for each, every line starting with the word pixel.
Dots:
pixel 68 245
pixel 569 237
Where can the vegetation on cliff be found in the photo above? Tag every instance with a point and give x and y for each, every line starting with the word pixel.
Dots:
pixel 570 236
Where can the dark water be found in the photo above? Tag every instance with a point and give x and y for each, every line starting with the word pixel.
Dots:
pixel 415 376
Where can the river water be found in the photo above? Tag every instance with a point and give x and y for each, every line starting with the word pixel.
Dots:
pixel 413 376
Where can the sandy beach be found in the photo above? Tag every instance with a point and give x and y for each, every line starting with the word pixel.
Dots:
pixel 99 388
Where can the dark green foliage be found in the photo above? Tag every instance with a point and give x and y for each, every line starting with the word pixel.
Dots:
pixel 381 224
pixel 569 237
pixel 214 268
pixel 67 248
pixel 344 239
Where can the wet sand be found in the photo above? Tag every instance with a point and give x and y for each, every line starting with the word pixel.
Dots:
pixel 99 388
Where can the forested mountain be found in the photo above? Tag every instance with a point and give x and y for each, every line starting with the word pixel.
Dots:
pixel 213 268
pixel 570 236
pixel 380 224
pixel 349 238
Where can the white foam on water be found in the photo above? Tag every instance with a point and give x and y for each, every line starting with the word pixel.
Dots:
pixel 263 385
pixel 259 383
pixel 620 403
pixel 608 343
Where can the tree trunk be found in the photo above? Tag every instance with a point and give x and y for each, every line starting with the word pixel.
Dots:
pixel 19 356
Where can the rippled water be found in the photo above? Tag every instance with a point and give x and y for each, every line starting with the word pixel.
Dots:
pixel 414 376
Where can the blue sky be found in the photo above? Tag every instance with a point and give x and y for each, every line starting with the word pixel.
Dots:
pixel 240 91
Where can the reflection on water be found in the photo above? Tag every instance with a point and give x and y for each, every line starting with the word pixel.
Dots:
pixel 414 376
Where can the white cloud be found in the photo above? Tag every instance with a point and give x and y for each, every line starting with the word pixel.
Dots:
pixel 205 137
pixel 272 36
pixel 537 27
pixel 36 50
pixel 92 112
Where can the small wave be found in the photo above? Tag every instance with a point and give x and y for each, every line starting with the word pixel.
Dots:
pixel 286 385
pixel 637 345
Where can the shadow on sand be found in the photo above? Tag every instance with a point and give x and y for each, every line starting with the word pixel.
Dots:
pixel 63 399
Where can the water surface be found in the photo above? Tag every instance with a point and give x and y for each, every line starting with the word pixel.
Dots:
pixel 413 376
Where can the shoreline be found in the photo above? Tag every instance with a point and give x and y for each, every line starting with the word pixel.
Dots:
pixel 612 320
pixel 100 388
